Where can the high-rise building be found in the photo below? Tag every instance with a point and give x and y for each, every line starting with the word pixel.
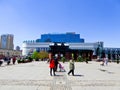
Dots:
pixel 7 41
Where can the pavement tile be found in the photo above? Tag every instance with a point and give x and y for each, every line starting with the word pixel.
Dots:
pixel 36 76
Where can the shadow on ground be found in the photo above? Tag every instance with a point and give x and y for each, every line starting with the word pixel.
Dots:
pixel 77 75
pixel 103 70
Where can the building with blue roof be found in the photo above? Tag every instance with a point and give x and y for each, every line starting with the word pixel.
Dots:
pixel 67 44
pixel 68 37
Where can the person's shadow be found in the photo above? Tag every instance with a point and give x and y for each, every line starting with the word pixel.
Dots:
pixel 78 75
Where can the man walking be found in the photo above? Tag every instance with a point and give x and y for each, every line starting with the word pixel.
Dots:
pixel 71 67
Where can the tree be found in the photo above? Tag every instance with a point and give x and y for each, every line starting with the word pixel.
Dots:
pixel 42 55
pixel 63 59
pixel 35 55
pixel 80 59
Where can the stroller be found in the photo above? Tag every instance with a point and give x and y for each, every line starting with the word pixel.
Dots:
pixel 61 67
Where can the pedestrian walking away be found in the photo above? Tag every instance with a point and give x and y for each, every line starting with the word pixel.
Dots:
pixel 56 63
pixel 14 60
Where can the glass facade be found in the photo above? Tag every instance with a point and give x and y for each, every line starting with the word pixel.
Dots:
pixel 76 45
pixel 7 41
pixel 4 41
pixel 68 37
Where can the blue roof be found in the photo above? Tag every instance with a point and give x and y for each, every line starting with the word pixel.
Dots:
pixel 68 37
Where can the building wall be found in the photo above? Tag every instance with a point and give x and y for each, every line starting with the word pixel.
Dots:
pixel 68 37
pixel 28 47
pixel 3 41
pixel 7 41
pixel 33 46
pixel 74 42
pixel 6 52
pixel 17 48
pixel 7 46
pixel 10 42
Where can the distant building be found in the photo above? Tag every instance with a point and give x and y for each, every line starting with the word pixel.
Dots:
pixel 7 46
pixel 17 48
pixel 61 45
pixel 5 52
pixel 69 45
pixel 69 37
pixel 7 41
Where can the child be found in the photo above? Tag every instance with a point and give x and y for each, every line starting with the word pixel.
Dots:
pixel 61 67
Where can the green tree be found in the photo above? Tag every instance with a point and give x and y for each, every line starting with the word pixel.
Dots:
pixel 63 59
pixel 42 55
pixel 35 55
pixel 80 59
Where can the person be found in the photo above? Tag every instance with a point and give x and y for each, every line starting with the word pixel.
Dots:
pixel 48 60
pixel 103 61
pixel 52 67
pixel 71 67
pixel 8 60
pixel 1 62
pixel 14 60
pixel 56 63
pixel 118 57
pixel 106 61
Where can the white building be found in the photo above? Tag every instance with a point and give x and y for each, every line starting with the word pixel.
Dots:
pixel 31 46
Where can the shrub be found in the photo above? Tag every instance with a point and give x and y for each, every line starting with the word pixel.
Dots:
pixel 80 59
pixel 63 59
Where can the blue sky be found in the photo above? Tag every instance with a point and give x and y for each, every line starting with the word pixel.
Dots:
pixel 94 20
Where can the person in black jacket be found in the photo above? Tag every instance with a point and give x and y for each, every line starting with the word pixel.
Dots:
pixel 56 63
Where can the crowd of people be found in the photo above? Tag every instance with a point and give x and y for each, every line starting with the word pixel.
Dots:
pixel 8 60
pixel 54 64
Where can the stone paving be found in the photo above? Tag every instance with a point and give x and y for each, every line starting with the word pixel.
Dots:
pixel 35 76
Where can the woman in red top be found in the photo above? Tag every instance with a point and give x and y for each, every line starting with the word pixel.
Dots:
pixel 52 66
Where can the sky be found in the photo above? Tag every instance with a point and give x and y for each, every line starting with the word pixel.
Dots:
pixel 94 20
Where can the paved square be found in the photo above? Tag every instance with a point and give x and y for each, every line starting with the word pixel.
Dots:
pixel 35 76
